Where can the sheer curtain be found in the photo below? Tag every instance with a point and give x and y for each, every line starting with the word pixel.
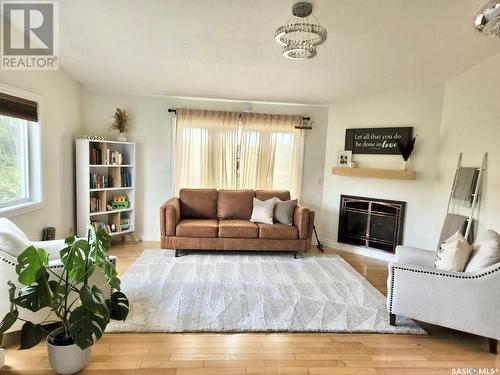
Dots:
pixel 206 149
pixel 271 152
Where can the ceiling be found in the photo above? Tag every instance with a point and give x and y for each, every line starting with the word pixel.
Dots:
pixel 225 48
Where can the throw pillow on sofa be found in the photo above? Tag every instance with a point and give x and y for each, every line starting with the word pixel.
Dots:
pixel 263 211
pixel 485 251
pixel 283 211
pixel 453 254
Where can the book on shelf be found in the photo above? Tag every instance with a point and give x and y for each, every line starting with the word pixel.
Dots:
pixel 96 205
pixel 126 179
pixel 99 181
pixel 96 156
pixel 100 225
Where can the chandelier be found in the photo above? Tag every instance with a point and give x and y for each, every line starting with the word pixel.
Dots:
pixel 487 19
pixel 299 36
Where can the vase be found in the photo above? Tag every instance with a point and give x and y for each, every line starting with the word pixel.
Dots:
pixel 66 359
pixel 122 137
pixel 404 167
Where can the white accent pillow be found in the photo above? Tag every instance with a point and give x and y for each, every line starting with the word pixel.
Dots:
pixel 11 242
pixel 453 254
pixel 485 251
pixel 263 211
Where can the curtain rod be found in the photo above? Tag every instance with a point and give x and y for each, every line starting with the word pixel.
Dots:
pixel 302 127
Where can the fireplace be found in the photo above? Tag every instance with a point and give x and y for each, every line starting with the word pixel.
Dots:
pixel 371 222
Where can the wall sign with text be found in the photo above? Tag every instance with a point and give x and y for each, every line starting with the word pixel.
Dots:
pixel 376 140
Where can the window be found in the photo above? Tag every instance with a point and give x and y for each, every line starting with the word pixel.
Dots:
pixel 20 180
pixel 223 150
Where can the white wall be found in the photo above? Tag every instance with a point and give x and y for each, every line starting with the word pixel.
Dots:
pixel 60 123
pixel 471 124
pixel 150 126
pixel 420 109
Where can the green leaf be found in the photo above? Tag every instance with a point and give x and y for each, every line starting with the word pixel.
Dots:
pixel 31 264
pixel 84 325
pixel 93 300
pixel 35 297
pixel 31 335
pixel 69 240
pixel 12 291
pixel 9 319
pixel 114 282
pixel 118 306
pixel 74 257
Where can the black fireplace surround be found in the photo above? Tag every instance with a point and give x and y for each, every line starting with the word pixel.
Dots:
pixel 371 222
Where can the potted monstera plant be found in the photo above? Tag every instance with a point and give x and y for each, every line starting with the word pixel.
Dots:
pixel 81 310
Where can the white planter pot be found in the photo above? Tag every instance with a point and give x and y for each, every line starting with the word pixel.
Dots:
pixel 122 137
pixel 68 359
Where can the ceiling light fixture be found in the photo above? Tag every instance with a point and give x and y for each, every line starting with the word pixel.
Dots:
pixel 487 19
pixel 299 36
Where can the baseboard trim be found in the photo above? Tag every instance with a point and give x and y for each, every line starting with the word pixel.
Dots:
pixel 369 252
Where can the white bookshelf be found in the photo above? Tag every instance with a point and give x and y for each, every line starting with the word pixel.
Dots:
pixel 114 174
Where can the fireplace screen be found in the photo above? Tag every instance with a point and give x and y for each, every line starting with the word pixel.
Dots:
pixel 375 223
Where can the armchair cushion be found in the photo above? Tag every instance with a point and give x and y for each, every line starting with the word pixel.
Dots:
pixel 52 247
pixel 416 256
pixel 453 254
pixel 12 240
pixel 485 251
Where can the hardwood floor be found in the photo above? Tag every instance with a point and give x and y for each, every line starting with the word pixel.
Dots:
pixel 276 353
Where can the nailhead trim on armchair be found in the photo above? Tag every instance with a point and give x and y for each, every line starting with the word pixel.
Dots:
pixel 435 273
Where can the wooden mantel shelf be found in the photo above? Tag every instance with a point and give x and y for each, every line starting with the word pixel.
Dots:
pixel 393 174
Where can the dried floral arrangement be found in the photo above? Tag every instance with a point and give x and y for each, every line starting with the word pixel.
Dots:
pixel 119 122
pixel 406 148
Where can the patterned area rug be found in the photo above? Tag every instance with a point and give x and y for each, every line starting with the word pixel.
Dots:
pixel 251 292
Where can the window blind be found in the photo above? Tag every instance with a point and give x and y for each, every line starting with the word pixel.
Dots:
pixel 18 107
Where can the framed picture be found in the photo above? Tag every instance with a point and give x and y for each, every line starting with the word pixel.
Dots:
pixel 344 158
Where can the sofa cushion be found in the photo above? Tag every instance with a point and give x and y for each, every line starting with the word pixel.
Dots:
pixel 198 203
pixel 264 195
pixel 263 211
pixel 278 231
pixel 238 229
pixel 235 204
pixel 485 251
pixel 197 228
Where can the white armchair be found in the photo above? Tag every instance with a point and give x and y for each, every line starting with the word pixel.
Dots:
pixel 12 242
pixel 465 301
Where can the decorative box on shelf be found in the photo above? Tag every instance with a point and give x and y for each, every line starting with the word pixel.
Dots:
pixel 393 174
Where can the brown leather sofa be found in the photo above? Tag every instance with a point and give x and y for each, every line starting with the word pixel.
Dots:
pixel 207 219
